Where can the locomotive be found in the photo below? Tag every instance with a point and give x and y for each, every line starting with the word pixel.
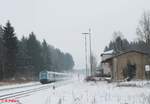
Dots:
pixel 50 76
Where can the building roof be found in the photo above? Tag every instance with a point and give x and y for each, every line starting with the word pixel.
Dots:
pixel 124 52
pixel 110 52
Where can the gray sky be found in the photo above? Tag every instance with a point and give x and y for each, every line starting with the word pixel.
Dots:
pixel 61 22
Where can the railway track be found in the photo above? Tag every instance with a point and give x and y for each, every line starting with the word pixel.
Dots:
pixel 22 93
pixel 18 87
pixel 27 92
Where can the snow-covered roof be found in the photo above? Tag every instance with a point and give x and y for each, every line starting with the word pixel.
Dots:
pixel 108 52
pixel 125 52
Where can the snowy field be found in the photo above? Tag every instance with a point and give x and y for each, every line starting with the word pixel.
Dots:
pixel 80 92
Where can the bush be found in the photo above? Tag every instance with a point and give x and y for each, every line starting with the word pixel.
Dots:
pixel 90 78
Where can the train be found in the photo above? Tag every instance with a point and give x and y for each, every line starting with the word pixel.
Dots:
pixel 50 76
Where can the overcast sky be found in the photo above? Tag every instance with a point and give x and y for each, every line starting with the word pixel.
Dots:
pixel 61 22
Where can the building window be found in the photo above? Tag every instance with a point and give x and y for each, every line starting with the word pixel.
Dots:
pixel 147 71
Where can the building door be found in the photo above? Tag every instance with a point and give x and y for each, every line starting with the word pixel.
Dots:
pixel 131 71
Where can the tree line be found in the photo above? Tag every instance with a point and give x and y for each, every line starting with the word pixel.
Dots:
pixel 142 43
pixel 25 58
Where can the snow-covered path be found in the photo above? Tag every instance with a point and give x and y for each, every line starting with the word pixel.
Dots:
pixel 80 92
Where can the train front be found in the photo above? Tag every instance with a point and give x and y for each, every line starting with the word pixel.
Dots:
pixel 43 77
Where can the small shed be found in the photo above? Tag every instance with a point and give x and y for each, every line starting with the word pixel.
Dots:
pixel 130 64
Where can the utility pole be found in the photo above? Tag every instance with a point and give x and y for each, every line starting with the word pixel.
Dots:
pixel 85 53
pixel 90 52
pixel 89 33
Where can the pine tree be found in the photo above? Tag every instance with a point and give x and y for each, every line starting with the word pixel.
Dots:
pixel 10 43
pixel 24 66
pixel 68 61
pixel 34 51
pixel 1 53
pixel 46 56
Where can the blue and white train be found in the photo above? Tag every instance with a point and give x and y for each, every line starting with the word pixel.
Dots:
pixel 50 76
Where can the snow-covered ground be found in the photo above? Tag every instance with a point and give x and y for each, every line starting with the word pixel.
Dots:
pixel 18 85
pixel 80 92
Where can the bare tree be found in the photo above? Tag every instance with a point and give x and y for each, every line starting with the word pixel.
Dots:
pixel 143 30
pixel 117 34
